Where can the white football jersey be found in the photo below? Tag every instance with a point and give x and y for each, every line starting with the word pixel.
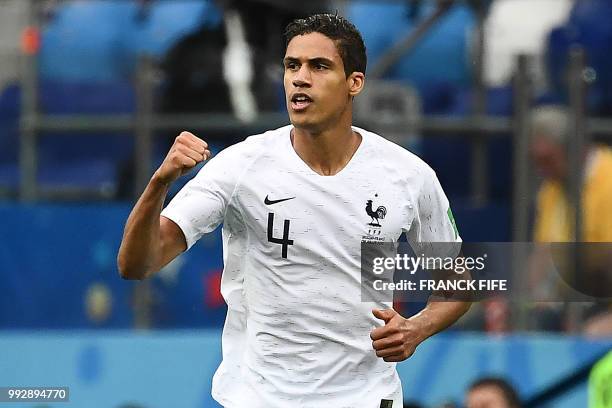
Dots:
pixel 297 333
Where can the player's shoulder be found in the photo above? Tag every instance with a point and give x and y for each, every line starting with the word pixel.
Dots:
pixel 253 146
pixel 400 157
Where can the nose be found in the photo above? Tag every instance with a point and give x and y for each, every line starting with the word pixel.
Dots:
pixel 302 77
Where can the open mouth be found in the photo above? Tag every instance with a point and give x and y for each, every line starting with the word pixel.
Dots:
pixel 300 101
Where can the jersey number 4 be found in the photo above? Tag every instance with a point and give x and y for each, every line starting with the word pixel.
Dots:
pixel 284 241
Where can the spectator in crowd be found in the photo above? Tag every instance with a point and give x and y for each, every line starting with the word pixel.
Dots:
pixel 554 221
pixel 492 392
pixel 550 131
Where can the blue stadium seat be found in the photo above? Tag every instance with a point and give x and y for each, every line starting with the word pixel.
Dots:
pixel 558 44
pixel 59 98
pixel 499 101
pixel 91 174
pixel 89 161
pixel 470 221
pixel 168 21
pixel 588 26
pixel 85 41
pixel 437 98
pixel 447 41
pixel 9 123
pixel 84 160
pixel 438 83
pixel 100 40
pixel 592 10
pixel 87 97
pixel 452 158
pixel 10 100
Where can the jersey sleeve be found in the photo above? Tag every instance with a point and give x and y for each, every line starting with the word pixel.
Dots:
pixel 434 222
pixel 199 207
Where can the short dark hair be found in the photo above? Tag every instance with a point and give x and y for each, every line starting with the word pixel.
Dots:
pixel 348 39
pixel 507 390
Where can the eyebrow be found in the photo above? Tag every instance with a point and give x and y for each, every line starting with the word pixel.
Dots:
pixel 316 60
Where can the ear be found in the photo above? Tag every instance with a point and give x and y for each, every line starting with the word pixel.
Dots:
pixel 356 82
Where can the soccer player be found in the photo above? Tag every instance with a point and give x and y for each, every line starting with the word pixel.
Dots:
pixel 296 204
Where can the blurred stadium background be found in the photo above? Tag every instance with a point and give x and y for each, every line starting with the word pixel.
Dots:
pixel 92 92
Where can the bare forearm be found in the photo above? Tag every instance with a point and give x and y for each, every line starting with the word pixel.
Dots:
pixel 438 315
pixel 150 242
pixel 140 247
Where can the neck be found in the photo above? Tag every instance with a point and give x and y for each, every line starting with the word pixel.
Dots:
pixel 326 152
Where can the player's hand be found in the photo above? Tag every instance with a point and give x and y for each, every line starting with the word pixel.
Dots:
pixel 186 152
pixel 397 339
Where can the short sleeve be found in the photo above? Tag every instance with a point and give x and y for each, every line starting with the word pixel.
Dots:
pixel 434 221
pixel 199 207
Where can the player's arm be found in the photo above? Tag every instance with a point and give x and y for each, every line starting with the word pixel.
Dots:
pixel 444 307
pixel 399 337
pixel 151 241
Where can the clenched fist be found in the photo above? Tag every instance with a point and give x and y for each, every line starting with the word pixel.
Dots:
pixel 186 152
pixel 398 338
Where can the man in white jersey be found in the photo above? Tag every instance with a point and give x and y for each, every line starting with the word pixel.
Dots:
pixel 296 204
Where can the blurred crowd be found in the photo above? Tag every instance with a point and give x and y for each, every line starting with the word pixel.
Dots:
pixel 224 57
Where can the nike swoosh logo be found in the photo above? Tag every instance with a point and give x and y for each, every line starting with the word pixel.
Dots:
pixel 267 201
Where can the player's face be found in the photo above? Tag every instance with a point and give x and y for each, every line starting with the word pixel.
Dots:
pixel 317 91
pixel 486 397
pixel 548 158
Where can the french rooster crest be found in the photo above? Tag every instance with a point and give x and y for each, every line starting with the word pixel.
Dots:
pixel 377 215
